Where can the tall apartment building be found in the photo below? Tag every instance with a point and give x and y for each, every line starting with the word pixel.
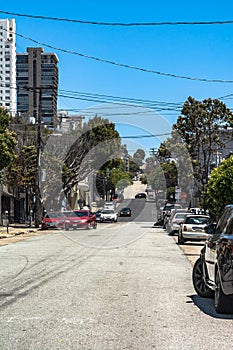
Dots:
pixel 37 85
pixel 8 65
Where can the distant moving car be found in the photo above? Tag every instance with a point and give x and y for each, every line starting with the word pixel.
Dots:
pixel 125 212
pixel 79 219
pixel 193 228
pixel 52 220
pixel 118 198
pixel 110 205
pixel 213 271
pixel 108 215
pixel 141 195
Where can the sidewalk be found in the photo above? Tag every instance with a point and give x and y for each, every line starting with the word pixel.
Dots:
pixel 16 232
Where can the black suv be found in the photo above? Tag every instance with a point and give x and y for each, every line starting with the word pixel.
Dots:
pixel 213 271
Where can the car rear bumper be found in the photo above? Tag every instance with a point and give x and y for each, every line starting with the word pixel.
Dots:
pixel 198 236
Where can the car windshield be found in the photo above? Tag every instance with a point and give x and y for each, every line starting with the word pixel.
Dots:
pixel 69 214
pixel 81 214
pixel 197 220
pixel 53 215
pixel 108 211
pixel 180 216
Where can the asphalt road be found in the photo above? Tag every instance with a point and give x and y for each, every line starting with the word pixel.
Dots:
pixel 123 286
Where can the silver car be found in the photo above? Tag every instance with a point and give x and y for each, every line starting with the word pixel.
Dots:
pixel 176 219
pixel 193 228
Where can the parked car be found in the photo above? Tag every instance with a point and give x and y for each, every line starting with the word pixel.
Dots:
pixel 193 228
pixel 166 212
pixel 176 219
pixel 109 215
pixel 213 270
pixel 98 216
pixel 168 208
pixel 79 219
pixel 141 195
pixel 125 212
pixel 52 220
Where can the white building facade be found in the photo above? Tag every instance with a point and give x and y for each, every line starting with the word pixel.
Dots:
pixel 8 65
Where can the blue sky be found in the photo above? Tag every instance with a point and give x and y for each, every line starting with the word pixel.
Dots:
pixel 200 51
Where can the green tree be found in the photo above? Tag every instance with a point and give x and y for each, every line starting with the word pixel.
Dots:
pixel 138 156
pixel 7 140
pixel 21 173
pixel 174 149
pixel 219 190
pixel 200 126
pixel 112 176
pixel 120 179
pixel 98 143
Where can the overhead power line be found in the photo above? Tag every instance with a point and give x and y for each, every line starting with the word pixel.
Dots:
pixel 123 65
pixel 119 24
pixel 144 136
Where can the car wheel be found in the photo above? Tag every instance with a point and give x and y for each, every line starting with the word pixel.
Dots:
pixel 199 280
pixel 223 303
pixel 180 238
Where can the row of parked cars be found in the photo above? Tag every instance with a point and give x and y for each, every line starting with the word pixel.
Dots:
pixel 189 225
pixel 69 219
pixel 85 219
pixel 213 271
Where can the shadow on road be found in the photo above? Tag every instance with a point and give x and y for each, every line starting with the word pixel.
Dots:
pixel 206 305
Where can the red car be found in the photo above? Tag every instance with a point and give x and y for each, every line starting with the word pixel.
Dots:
pixel 52 220
pixel 80 219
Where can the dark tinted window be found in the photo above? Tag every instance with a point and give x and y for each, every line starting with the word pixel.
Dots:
pixel 229 229
pixel 197 220
pixel 81 214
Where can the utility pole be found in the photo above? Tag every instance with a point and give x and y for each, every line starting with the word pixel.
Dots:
pixel 0 203
pixel 37 90
pixel 153 151
pixel 38 150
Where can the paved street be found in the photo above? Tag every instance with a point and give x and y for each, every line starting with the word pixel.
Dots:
pixel 130 288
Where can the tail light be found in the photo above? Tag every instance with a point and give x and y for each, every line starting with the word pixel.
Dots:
pixel 185 228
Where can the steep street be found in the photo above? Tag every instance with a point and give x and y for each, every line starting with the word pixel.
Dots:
pixel 122 286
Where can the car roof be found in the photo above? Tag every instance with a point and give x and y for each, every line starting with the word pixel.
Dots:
pixel 197 216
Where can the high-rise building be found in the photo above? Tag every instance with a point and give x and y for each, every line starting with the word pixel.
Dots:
pixel 8 65
pixel 37 85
